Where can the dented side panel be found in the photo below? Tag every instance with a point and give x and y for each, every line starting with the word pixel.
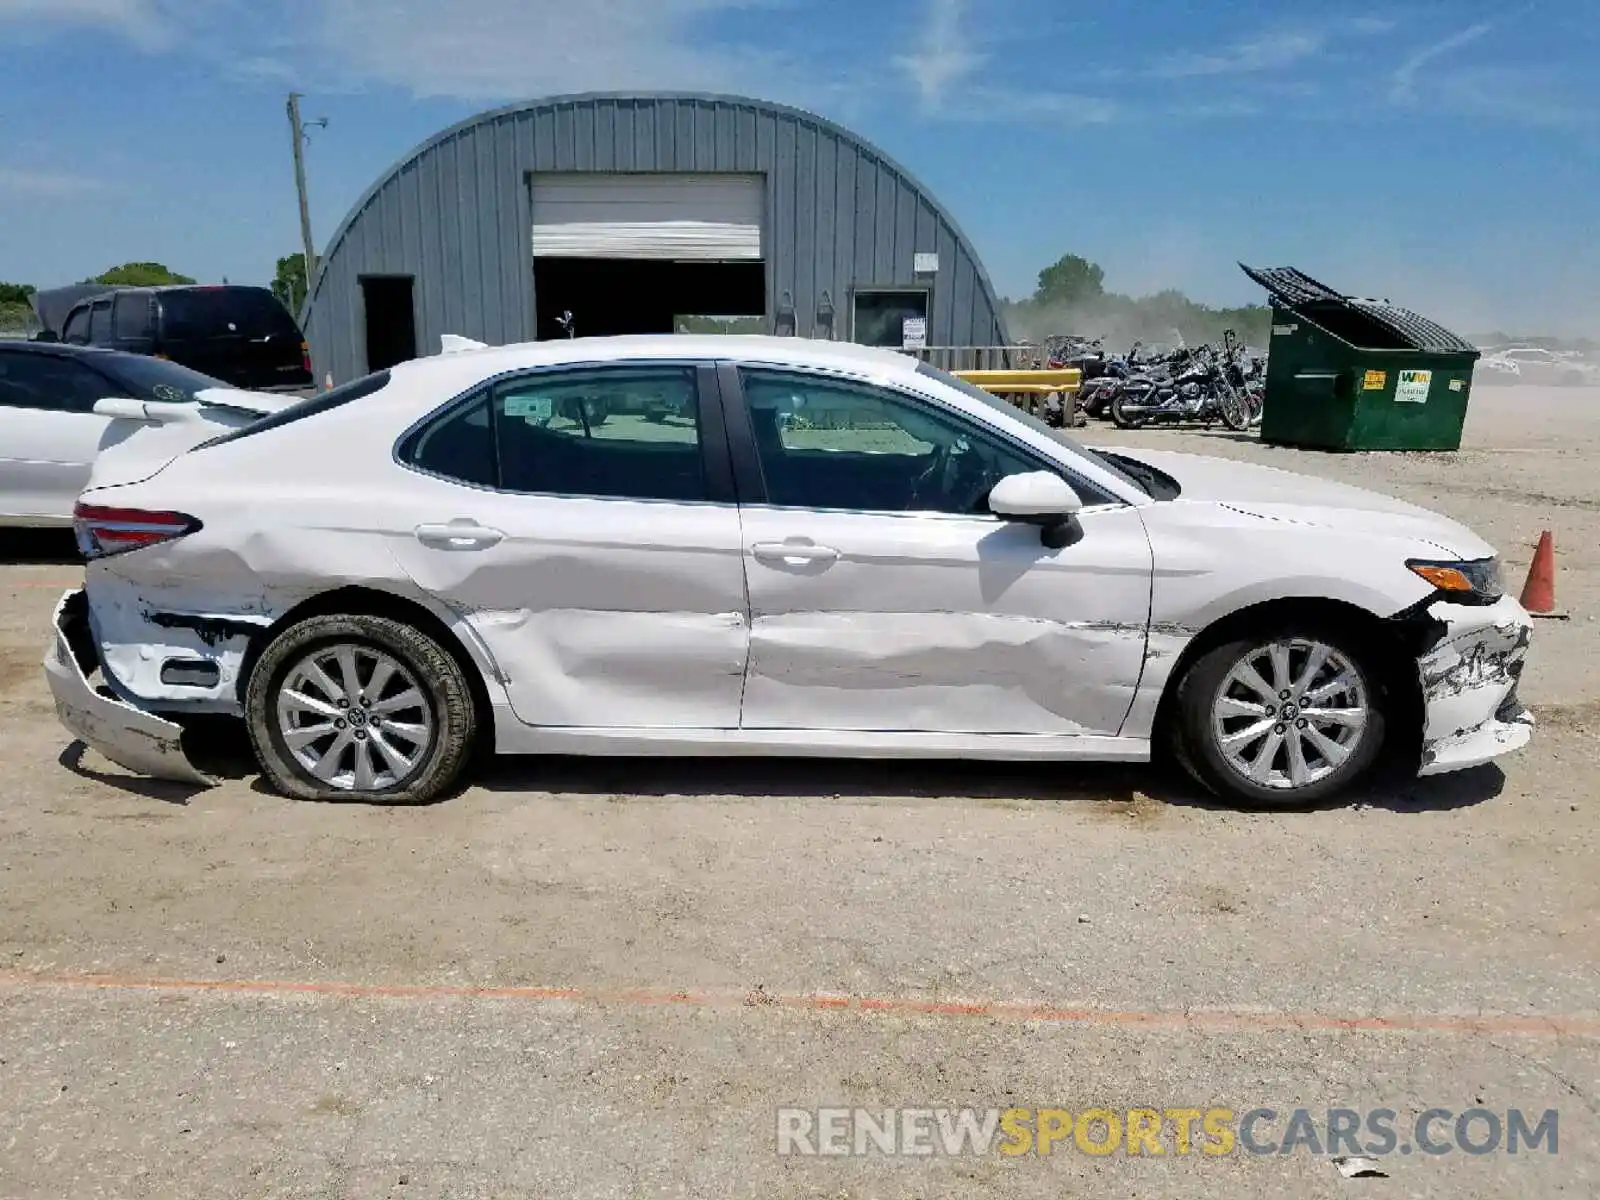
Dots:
pixel 967 625
pixel 599 613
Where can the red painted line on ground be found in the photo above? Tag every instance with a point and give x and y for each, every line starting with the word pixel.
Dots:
pixel 1199 1020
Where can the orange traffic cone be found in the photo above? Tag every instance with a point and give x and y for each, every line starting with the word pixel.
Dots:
pixel 1539 593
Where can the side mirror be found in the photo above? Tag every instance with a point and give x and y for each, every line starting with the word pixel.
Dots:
pixel 1042 499
pixel 46 335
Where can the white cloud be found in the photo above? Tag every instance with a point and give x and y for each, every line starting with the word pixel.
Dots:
pixel 502 49
pixel 143 22
pixel 1015 104
pixel 1271 49
pixel 44 185
pixel 1402 86
pixel 944 58
pixel 1265 52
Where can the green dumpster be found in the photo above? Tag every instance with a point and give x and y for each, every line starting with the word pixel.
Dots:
pixel 1351 374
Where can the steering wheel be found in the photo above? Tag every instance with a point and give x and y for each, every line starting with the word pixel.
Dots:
pixel 932 479
pixel 958 470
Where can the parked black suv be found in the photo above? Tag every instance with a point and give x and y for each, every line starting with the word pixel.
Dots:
pixel 240 335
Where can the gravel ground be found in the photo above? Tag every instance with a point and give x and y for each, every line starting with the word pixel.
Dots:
pixel 602 978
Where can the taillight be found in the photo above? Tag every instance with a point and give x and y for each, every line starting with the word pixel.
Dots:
pixel 103 531
pixel 305 357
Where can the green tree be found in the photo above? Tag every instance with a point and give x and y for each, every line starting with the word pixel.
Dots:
pixel 1070 280
pixel 16 293
pixel 289 284
pixel 139 274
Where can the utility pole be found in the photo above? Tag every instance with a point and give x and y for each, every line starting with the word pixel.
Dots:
pixel 297 130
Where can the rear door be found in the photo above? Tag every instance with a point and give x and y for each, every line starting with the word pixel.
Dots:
pixel 49 435
pixel 884 596
pixel 240 335
pixel 583 521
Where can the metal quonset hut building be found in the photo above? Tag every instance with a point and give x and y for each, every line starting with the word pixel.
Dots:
pixel 634 213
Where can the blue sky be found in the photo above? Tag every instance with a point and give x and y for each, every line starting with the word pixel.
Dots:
pixel 1443 153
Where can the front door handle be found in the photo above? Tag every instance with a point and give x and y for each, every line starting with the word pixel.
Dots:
pixel 459 534
pixel 795 554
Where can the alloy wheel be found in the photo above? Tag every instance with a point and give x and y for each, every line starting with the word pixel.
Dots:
pixel 1290 713
pixel 355 717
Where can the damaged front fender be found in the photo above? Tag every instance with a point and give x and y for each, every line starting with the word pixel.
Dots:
pixel 129 737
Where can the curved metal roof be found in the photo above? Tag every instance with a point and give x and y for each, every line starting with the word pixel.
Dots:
pixel 511 111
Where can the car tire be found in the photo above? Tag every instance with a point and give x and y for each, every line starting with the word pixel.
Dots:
pixel 1214 717
pixel 439 727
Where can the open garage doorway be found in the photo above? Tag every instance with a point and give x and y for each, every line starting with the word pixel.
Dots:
pixel 630 252
pixel 612 296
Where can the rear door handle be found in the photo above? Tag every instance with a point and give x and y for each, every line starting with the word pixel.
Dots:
pixel 794 553
pixel 458 535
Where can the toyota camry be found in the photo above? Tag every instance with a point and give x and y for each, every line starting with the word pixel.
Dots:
pixel 754 546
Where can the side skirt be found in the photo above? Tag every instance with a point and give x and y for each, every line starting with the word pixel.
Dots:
pixel 513 737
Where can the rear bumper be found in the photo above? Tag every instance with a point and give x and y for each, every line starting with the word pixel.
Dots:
pixel 1469 686
pixel 128 736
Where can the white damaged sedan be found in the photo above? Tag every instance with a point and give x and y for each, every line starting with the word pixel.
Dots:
pixel 742 546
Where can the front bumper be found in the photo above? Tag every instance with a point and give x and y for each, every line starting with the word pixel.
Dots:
pixel 1469 686
pixel 126 735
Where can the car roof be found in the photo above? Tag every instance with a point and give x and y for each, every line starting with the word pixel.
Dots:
pixel 781 351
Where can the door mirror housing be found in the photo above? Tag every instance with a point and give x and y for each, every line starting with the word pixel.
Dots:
pixel 1042 499
pixel 1037 496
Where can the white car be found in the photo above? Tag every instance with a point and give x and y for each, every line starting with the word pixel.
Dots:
pixel 768 547
pixel 54 416
pixel 1537 366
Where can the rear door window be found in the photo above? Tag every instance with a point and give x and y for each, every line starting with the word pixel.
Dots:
pixel 76 329
pixel 131 316
pixel 623 433
pixel 100 322
pixel 221 312
pixel 51 384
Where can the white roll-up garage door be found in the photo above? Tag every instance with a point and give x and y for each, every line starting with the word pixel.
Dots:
pixel 695 217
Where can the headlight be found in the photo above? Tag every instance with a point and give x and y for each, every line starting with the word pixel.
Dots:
pixel 1476 582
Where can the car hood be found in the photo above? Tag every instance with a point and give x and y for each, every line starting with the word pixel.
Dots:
pixel 1278 495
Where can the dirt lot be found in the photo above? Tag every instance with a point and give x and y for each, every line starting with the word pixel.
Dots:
pixel 602 979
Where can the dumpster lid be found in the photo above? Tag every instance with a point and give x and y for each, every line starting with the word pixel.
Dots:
pixel 1296 289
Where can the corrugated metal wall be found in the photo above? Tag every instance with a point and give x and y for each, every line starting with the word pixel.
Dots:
pixel 456 215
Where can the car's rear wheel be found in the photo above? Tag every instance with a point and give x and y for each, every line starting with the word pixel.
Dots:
pixel 1281 719
pixel 359 708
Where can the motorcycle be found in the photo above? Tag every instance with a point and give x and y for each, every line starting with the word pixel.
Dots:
pixel 1203 389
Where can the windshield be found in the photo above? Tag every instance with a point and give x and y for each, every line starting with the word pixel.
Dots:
pixel 225 312
pixel 1115 467
pixel 155 379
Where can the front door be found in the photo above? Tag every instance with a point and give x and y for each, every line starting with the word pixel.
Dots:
pixel 885 597
pixel 582 522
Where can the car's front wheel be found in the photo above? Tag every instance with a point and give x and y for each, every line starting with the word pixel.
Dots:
pixel 1281 719
pixel 359 707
